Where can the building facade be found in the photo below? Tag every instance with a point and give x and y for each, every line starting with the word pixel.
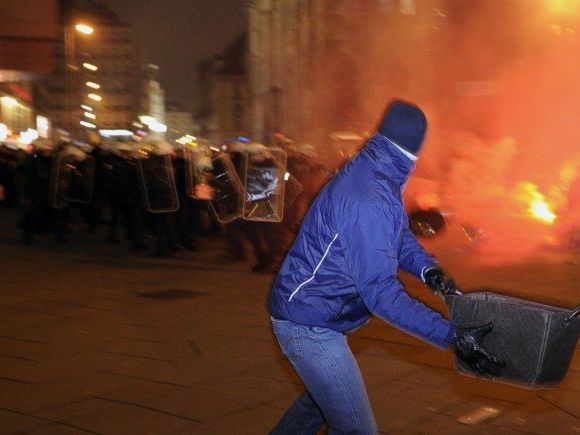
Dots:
pixel 225 103
pixel 28 35
pixel 97 84
pixel 284 39
pixel 179 121
pixel 323 66
pixel 28 38
pixel 153 96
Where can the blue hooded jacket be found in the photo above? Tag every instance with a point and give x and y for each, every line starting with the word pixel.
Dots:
pixel 343 265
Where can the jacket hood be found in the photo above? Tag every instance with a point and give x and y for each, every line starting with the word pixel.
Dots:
pixel 389 159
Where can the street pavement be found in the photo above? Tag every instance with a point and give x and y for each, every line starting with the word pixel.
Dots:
pixel 96 339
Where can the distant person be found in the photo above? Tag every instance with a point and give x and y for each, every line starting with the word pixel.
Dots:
pixel 191 202
pixel 261 187
pixel 160 195
pixel 36 180
pixel 235 234
pixel 122 188
pixel 342 269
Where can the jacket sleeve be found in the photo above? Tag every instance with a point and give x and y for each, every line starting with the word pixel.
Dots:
pixel 367 237
pixel 413 258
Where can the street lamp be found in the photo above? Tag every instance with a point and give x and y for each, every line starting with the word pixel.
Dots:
pixel 3 131
pixel 95 97
pixel 93 85
pixel 74 74
pixel 90 66
pixel 69 41
pixel 84 29
pixel 157 127
pixel 87 124
pixel 9 101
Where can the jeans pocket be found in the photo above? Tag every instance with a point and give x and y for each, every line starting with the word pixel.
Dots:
pixel 288 335
pixel 318 330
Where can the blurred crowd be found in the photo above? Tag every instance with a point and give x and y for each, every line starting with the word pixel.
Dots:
pixel 158 198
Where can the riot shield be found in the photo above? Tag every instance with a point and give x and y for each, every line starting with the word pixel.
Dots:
pixel 264 182
pixel 157 181
pixel 198 167
pixel 71 179
pixel 227 192
pixel 292 189
pixel 297 177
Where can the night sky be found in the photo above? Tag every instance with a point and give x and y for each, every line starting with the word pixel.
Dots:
pixel 177 34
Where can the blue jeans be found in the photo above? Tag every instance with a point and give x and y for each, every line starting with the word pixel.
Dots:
pixel 335 391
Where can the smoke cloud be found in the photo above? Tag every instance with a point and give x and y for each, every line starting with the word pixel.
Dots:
pixel 499 83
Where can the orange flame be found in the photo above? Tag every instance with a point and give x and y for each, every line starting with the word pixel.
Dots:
pixel 538 207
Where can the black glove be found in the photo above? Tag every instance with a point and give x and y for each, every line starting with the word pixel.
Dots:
pixel 440 282
pixel 466 344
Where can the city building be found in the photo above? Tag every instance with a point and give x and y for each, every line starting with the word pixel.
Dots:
pixel 179 121
pixel 310 69
pixel 284 42
pixel 153 96
pixel 97 84
pixel 28 35
pixel 224 108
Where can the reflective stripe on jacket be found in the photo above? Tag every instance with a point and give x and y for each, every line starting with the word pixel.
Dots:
pixel 343 264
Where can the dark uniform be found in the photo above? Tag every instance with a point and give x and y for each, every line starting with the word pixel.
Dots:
pixel 36 178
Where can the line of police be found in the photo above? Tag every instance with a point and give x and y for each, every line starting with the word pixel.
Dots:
pixel 118 199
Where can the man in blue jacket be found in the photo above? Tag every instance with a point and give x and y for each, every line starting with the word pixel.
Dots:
pixel 342 269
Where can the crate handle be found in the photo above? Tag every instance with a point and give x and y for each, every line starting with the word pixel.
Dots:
pixel 571 316
pixel 444 297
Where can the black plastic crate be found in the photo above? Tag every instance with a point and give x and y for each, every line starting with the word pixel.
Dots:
pixel 536 341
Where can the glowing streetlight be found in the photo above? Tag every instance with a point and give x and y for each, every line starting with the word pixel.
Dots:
pixel 146 119
pixel 3 131
pixel 85 107
pixel 84 29
pixel 93 85
pixel 9 101
pixel 90 115
pixel 157 127
pixel 90 66
pixel 115 132
pixel 28 136
pixel 95 97
pixel 87 124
